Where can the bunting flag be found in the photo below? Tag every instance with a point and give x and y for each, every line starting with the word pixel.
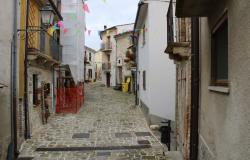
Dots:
pixel 78 30
pixel 73 16
pixel 89 32
pixel 55 27
pixel 86 8
pixel 60 24
pixel 51 30
pixel 65 30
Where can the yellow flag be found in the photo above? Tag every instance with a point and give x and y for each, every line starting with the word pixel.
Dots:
pixel 50 31
pixel 142 31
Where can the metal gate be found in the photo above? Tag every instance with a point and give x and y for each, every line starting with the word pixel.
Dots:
pixel 70 100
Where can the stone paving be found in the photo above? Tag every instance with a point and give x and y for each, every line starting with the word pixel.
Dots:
pixel 106 128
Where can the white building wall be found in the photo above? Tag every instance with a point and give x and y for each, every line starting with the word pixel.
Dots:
pixel 73 41
pixel 143 65
pixel 160 71
pixel 91 64
pixel 6 34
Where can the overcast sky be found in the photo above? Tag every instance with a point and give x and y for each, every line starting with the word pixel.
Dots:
pixel 110 13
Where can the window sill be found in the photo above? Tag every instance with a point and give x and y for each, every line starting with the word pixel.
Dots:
pixel 220 89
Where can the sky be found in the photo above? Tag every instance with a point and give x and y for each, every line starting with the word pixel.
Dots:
pixel 110 13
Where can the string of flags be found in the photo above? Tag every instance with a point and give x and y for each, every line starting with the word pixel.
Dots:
pixel 60 25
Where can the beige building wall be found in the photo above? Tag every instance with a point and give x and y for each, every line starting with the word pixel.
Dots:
pixel 98 63
pixel 224 117
pixel 123 41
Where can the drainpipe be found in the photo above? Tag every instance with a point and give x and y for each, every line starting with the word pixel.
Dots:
pixel 14 85
pixel 115 62
pixel 26 78
pixel 194 135
pixel 135 40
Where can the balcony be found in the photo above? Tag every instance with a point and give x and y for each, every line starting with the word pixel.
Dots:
pixel 106 66
pixel 106 47
pixel 193 8
pixel 86 60
pixel 43 48
pixel 178 36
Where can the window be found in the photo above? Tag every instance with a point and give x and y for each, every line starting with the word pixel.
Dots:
pixel 35 89
pixel 90 73
pixel 143 36
pixel 144 80
pixel 89 56
pixel 219 57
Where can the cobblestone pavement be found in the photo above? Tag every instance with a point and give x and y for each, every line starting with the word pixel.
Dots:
pixel 106 128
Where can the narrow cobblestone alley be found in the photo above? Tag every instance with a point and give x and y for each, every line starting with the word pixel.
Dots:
pixel 107 127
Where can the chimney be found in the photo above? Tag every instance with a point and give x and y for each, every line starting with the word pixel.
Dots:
pixel 105 27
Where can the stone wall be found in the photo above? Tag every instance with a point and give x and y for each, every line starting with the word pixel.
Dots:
pixel 35 111
pixel 183 107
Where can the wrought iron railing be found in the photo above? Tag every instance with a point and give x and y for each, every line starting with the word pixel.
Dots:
pixel 39 41
pixel 106 46
pixel 178 29
pixel 106 66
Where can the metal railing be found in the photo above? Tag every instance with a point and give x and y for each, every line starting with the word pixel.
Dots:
pixel 106 46
pixel 40 41
pixel 178 29
pixel 106 66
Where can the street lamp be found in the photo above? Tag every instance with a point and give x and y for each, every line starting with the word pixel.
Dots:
pixel 47 15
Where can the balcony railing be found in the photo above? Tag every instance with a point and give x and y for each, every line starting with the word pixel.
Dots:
pixel 106 66
pixel 178 29
pixel 106 46
pixel 40 42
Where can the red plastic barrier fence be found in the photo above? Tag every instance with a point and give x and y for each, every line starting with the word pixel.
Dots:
pixel 69 100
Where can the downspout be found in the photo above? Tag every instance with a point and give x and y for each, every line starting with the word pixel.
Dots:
pixel 26 65
pixel 115 62
pixel 194 135
pixel 14 84
pixel 136 71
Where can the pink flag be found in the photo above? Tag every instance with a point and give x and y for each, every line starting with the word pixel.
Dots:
pixel 60 24
pixel 86 8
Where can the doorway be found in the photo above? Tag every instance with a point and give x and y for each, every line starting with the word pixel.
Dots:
pixel 108 79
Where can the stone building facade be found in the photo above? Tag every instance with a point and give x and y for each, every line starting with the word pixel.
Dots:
pixel 43 57
pixel 179 50
pixel 223 31
pixel 123 41
pixel 89 65
pixel 109 56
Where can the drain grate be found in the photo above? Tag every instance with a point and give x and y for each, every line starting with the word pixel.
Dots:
pixel 149 157
pixel 123 134
pixel 103 154
pixel 141 134
pixel 81 135
pixel 25 158
pixel 68 149
pixel 146 142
